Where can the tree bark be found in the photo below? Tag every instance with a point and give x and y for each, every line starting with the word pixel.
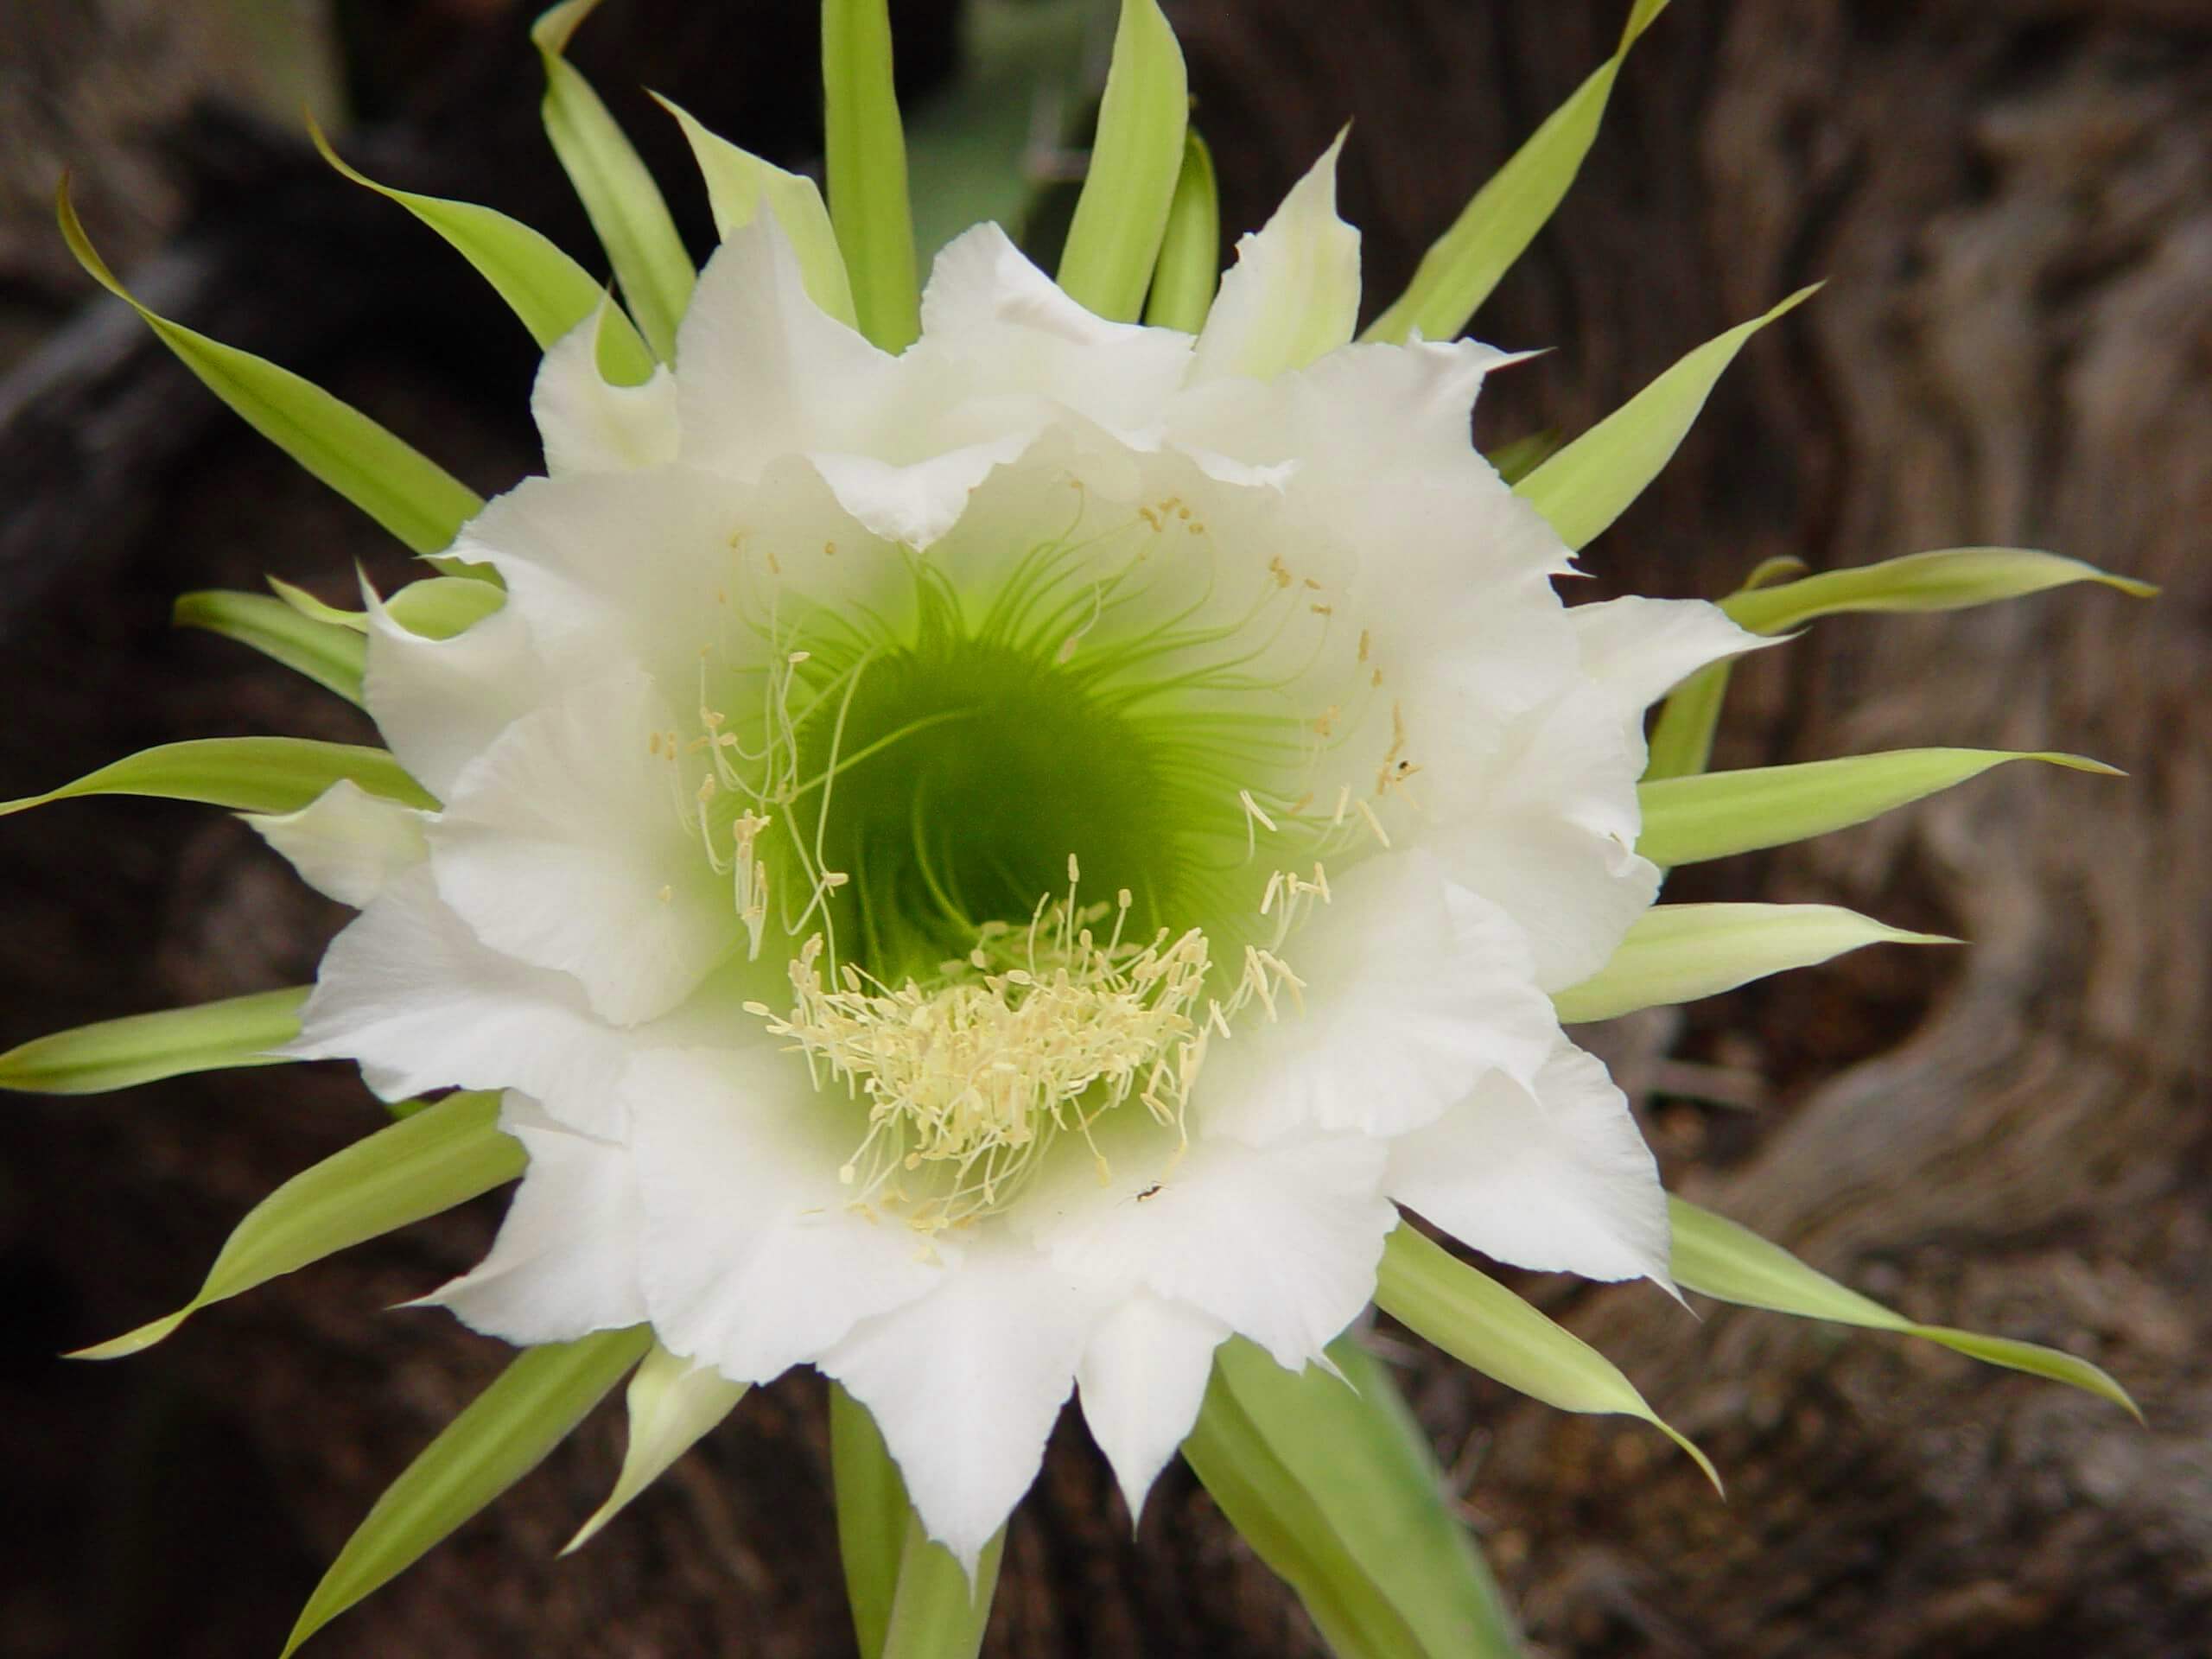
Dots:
pixel 2013 204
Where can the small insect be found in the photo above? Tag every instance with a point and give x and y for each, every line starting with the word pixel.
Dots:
pixel 1150 1191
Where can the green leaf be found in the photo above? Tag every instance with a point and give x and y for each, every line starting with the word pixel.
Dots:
pixel 397 485
pixel 501 1436
pixel 937 1613
pixel 328 653
pixel 1189 272
pixel 672 1403
pixel 1480 1323
pixel 872 1512
pixel 619 196
pixel 238 1031
pixel 1718 1258
pixel 1590 482
pixel 865 158
pixel 1949 580
pixel 1677 953
pixel 247 774
pixel 969 146
pixel 429 1160
pixel 1517 459
pixel 1459 271
pixel 1121 215
pixel 1335 1487
pixel 738 182
pixel 1718 813
pixel 550 292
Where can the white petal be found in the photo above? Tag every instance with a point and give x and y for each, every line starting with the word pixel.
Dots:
pixel 1293 293
pixel 440 703
pixel 565 1263
pixel 761 370
pixel 915 505
pixel 1142 1381
pixel 966 1383
pixel 672 1405
pixel 1278 1243
pixel 589 426
pixel 346 842
pixel 1640 649
pixel 1414 987
pixel 407 990
pixel 1557 1177
pixel 755 1259
pixel 565 844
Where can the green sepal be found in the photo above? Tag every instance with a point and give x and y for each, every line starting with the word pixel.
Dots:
pixel 1517 459
pixel 968 147
pixel 1189 272
pixel 738 182
pixel 1480 1323
pixel 410 495
pixel 1467 263
pixel 550 292
pixel 436 608
pixel 427 1162
pixel 619 196
pixel 1722 1259
pixel 872 1512
pixel 330 654
pixel 1715 814
pixel 247 774
pixel 1776 598
pixel 1335 1487
pixel 672 1402
pixel 938 1613
pixel 1590 482
pixel 864 147
pixel 238 1031
pixel 1678 953
pixel 1950 579
pixel 499 1437
pixel 1121 215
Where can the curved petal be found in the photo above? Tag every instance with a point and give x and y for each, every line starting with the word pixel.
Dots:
pixel 1556 1177
pixel 1414 987
pixel 571 843
pixel 588 425
pixel 440 703
pixel 1638 650
pixel 1293 294
pixel 755 1258
pixel 1142 1381
pixel 408 991
pixel 1279 1243
pixel 346 843
pixel 965 1383
pixel 565 1263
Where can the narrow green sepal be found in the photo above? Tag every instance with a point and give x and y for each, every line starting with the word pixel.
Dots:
pixel 1467 263
pixel 673 1402
pixel 329 653
pixel 1591 481
pixel 1480 1323
pixel 1949 579
pixel 247 774
pixel 550 292
pixel 499 1437
pixel 1332 1484
pixel 864 159
pixel 937 1611
pixel 426 1162
pixel 1517 459
pixel 1678 953
pixel 1716 814
pixel 410 495
pixel 1121 215
pixel 619 196
pixel 1189 272
pixel 436 608
pixel 235 1033
pixel 1723 1260
pixel 872 1512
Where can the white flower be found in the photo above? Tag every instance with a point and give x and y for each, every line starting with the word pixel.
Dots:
pixel 991 870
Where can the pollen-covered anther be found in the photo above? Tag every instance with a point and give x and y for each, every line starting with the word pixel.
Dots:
pixel 1035 1032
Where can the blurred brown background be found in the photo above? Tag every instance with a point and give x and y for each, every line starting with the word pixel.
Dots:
pixel 2012 200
